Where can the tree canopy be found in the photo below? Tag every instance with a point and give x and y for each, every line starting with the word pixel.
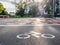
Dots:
pixel 1 7
pixel 2 10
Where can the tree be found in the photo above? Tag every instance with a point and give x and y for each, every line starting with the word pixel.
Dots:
pixel 1 7
pixel 2 10
pixel 33 10
pixel 49 7
pixel 21 9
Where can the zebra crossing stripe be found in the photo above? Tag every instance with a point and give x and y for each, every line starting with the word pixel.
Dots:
pixel 54 21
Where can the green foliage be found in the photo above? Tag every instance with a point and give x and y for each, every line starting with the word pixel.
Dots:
pixel 21 9
pixel 47 8
pixel 33 10
pixel 2 10
pixel 20 12
pixel 21 5
pixel 1 7
pixel 6 12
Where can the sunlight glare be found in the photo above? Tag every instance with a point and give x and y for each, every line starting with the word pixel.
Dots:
pixel 38 0
pixel 12 0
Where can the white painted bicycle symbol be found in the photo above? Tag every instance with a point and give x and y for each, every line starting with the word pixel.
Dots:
pixel 35 34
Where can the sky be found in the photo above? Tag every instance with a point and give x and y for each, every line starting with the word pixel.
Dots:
pixel 9 6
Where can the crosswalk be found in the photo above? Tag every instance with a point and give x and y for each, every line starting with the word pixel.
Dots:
pixel 54 21
pixel 29 22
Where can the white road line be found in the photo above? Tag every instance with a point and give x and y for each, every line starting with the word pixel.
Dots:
pixel 33 25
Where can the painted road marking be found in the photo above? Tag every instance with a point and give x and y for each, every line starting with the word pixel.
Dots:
pixel 54 21
pixel 33 25
pixel 37 21
pixel 23 36
pixel 35 34
pixel 50 36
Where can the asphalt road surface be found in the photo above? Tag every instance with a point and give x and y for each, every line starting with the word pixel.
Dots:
pixel 30 35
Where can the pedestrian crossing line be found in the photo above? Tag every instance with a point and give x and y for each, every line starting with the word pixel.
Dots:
pixel 58 22
pixel 54 21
